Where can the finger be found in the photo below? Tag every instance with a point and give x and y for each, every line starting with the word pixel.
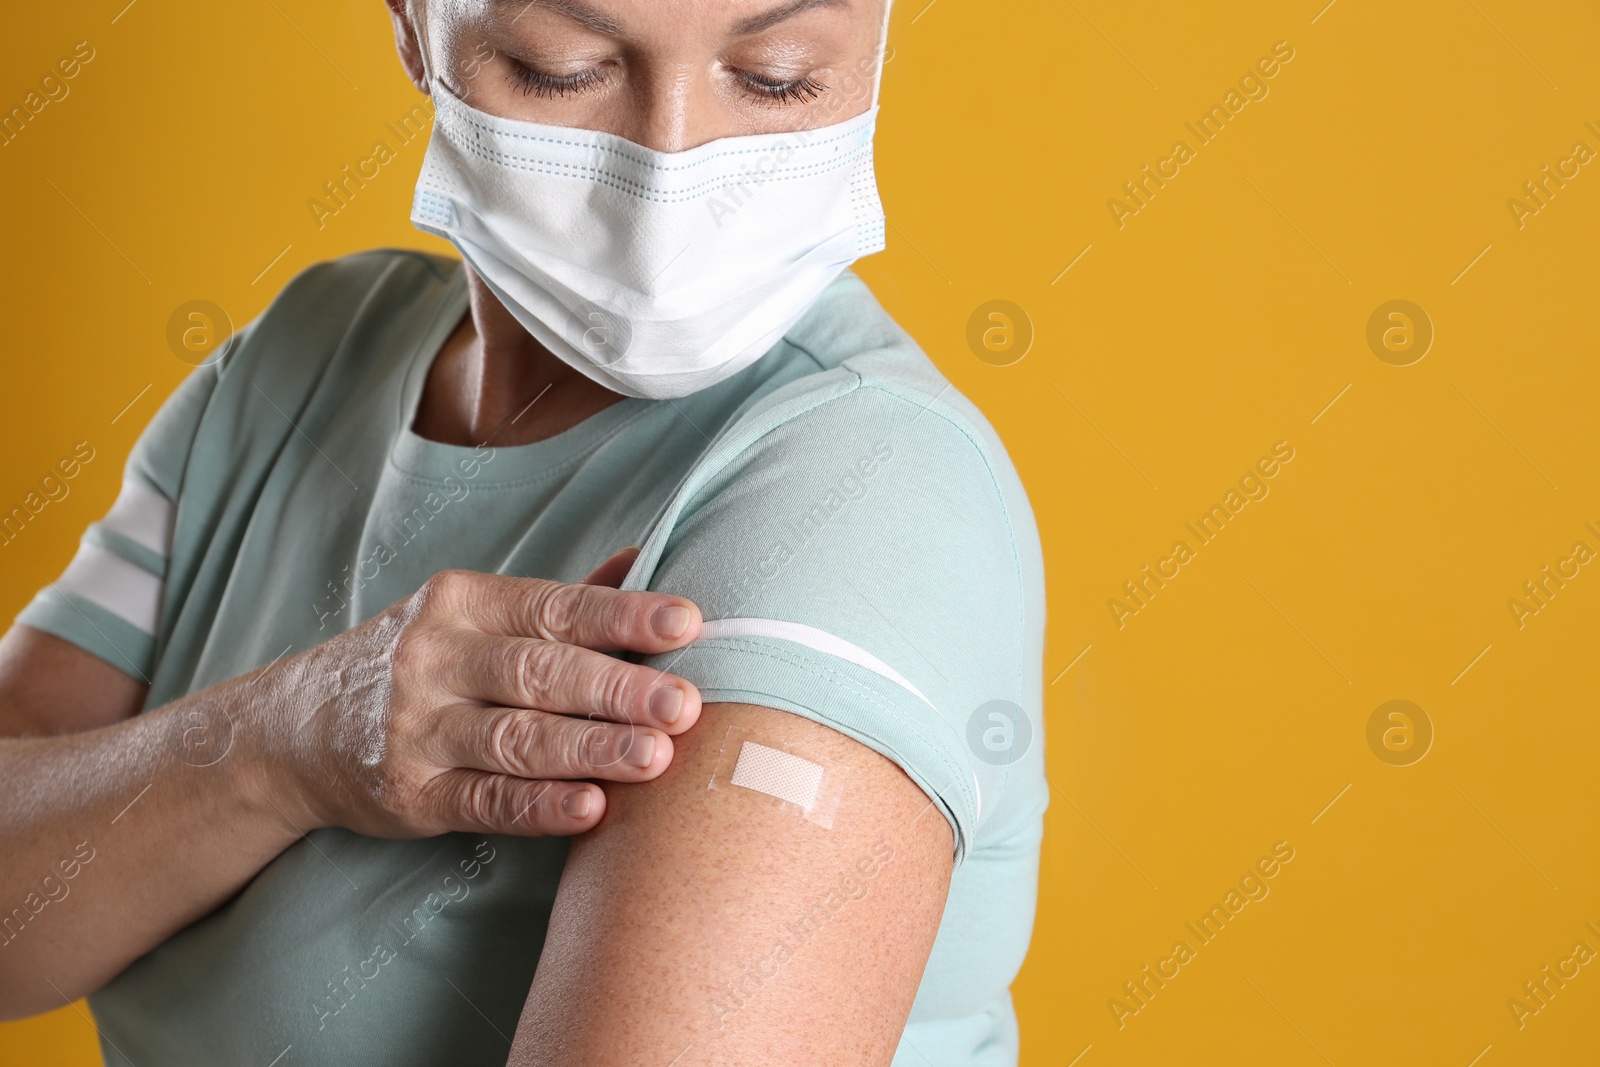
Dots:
pixel 524 672
pixel 538 745
pixel 594 616
pixel 475 802
pixel 613 570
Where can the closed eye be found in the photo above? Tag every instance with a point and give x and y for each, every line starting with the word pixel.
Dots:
pixel 537 83
pixel 774 90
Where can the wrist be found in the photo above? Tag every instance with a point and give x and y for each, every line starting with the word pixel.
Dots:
pixel 227 731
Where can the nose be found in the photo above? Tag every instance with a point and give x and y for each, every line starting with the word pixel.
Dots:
pixel 673 108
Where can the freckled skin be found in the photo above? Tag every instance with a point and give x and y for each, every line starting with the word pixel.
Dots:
pixel 682 890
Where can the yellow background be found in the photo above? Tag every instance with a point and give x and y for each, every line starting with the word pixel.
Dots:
pixel 1225 316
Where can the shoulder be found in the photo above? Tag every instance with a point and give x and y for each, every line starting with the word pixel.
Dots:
pixel 334 326
pixel 862 548
pixel 870 464
pixel 307 361
pixel 866 363
pixel 351 279
pixel 283 351
pixel 873 401
pixel 325 303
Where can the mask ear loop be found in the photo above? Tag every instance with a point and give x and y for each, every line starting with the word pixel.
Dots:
pixel 883 47
pixel 419 28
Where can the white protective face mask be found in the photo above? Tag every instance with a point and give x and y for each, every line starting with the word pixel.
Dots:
pixel 657 274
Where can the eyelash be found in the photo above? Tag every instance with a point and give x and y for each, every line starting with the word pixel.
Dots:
pixel 781 92
pixel 767 90
pixel 534 82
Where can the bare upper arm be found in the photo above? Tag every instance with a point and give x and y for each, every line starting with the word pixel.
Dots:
pixel 51 686
pixel 722 928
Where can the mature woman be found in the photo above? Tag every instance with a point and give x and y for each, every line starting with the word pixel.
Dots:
pixel 297 744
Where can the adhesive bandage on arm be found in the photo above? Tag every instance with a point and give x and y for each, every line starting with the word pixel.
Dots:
pixel 791 778
pixel 830 645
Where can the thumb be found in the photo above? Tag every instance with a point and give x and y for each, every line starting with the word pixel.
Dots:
pixel 613 570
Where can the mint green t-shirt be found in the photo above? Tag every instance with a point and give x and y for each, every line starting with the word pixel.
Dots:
pixel 849 524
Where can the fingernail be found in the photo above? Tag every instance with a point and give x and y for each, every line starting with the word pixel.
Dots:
pixel 670 622
pixel 641 749
pixel 576 804
pixel 666 703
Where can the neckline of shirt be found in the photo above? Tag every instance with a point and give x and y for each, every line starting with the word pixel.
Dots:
pixel 436 461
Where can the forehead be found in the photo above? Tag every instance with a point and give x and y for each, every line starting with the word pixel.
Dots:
pixel 736 18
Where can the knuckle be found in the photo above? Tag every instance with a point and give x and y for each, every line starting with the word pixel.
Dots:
pixel 411 650
pixel 619 690
pixel 484 800
pixel 441 805
pixel 535 809
pixel 441 591
pixel 557 608
pixel 612 612
pixel 587 748
pixel 533 665
pixel 512 736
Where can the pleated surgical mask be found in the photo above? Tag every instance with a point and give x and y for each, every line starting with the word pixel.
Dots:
pixel 656 274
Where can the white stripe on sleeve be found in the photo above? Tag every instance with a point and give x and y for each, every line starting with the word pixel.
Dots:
pixel 812 638
pixel 144 516
pixel 122 588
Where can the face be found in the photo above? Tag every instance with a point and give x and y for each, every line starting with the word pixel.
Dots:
pixel 666 74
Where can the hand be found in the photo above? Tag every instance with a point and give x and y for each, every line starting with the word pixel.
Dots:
pixel 476 704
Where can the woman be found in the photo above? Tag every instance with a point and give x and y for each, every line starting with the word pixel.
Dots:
pixel 296 745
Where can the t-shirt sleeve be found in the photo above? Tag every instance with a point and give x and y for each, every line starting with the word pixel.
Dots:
pixel 108 600
pixel 856 565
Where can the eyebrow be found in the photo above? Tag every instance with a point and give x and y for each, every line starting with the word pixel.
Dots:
pixel 600 22
pixel 768 19
pixel 581 13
